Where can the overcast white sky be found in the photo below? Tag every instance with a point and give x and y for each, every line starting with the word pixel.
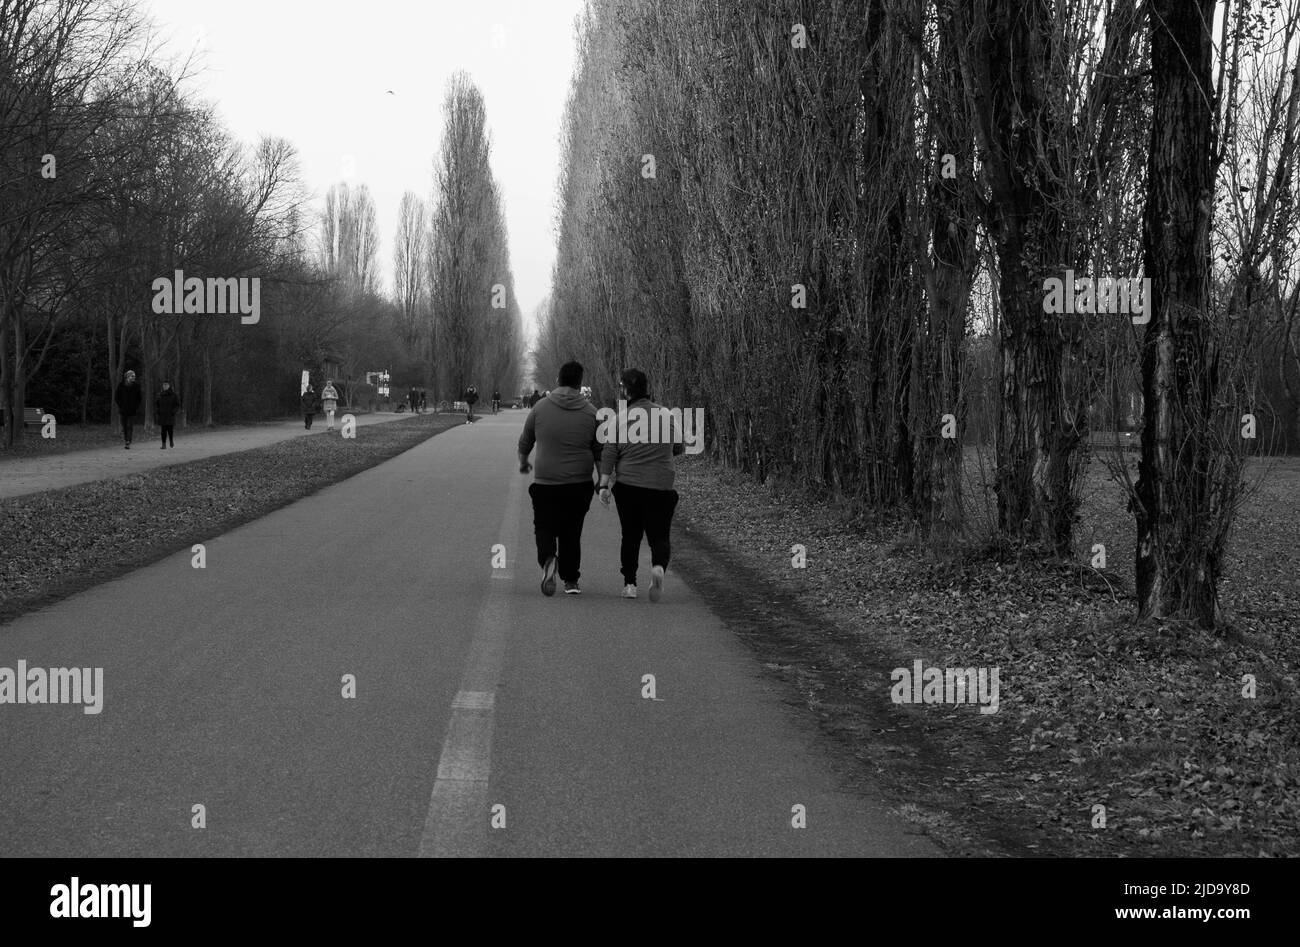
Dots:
pixel 318 73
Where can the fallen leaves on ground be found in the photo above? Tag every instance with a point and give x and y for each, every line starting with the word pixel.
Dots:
pixel 1148 720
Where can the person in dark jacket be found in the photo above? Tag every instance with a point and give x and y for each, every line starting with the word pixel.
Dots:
pixel 644 489
pixel 165 407
pixel 413 399
pixel 127 397
pixel 308 405
pixel 535 397
pixel 563 428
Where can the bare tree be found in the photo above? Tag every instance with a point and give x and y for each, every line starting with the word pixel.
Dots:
pixel 66 68
pixel 410 269
pixel 1199 352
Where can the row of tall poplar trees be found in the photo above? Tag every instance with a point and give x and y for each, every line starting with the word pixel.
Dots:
pixel 805 217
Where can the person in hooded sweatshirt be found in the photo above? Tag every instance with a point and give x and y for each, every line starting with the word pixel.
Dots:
pixel 127 397
pixel 165 407
pixel 643 489
pixel 562 426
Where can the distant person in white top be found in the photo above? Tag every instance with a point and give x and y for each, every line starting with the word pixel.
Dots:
pixel 329 403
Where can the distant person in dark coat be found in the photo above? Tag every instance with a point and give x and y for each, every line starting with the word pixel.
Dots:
pixel 165 407
pixel 127 398
pixel 308 405
pixel 413 400
pixel 536 397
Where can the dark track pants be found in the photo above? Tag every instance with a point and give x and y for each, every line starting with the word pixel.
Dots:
pixel 128 425
pixel 642 511
pixel 558 514
pixel 168 434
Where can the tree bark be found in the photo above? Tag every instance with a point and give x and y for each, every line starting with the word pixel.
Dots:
pixel 1005 49
pixel 1179 548
pixel 6 392
pixel 207 386
pixel 937 491
pixel 85 391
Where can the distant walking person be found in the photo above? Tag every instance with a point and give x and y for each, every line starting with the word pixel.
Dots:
pixel 471 399
pixel 413 399
pixel 563 428
pixel 127 397
pixel 534 398
pixel 308 405
pixel 423 400
pixel 165 407
pixel 643 489
pixel 330 402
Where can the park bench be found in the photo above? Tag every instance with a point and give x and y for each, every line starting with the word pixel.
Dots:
pixel 30 416
pixel 1111 441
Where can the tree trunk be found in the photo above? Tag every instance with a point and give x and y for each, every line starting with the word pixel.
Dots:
pixel 6 390
pixel 1037 437
pixel 937 388
pixel 116 364
pixel 1005 48
pixel 148 369
pixel 18 377
pixel 111 366
pixel 207 387
pixel 85 391
pixel 178 384
pixel 1179 547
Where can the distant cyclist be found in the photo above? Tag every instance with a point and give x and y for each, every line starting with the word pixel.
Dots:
pixel 496 401
pixel 471 398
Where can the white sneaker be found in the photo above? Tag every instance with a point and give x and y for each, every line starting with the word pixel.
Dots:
pixel 629 591
pixel 656 583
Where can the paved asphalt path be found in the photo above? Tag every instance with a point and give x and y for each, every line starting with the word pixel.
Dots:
pixel 55 471
pixel 473 692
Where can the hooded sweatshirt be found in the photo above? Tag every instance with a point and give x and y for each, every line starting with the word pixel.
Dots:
pixel 563 427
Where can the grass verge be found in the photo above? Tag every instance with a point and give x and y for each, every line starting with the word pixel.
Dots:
pixel 59 542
